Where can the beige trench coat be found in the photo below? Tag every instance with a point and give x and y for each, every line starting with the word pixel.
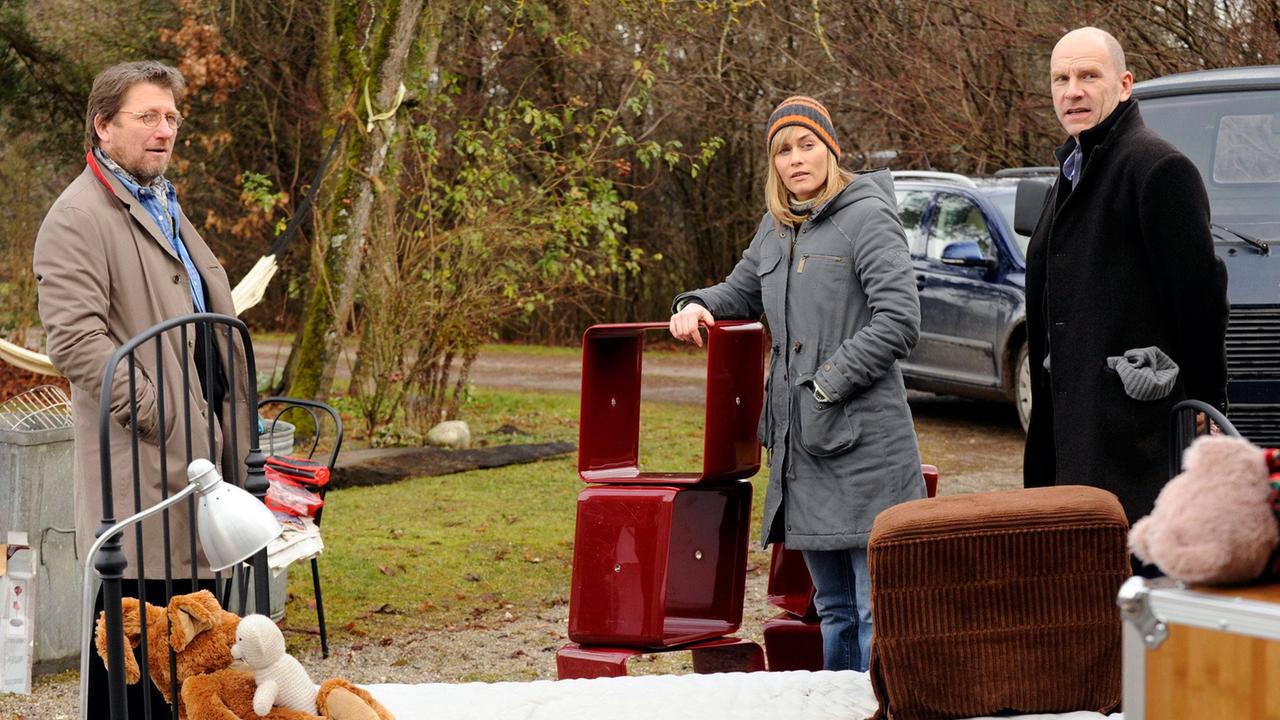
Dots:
pixel 106 274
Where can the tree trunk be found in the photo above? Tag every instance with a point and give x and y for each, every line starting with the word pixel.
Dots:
pixel 337 271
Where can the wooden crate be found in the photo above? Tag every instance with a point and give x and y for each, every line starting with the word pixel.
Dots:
pixel 1201 652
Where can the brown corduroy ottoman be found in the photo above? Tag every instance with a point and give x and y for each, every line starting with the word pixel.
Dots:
pixel 999 602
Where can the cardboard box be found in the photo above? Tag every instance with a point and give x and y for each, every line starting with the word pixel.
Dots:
pixel 1200 652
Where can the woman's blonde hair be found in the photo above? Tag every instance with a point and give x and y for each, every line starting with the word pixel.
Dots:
pixel 776 196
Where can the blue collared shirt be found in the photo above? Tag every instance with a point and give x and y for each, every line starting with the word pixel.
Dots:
pixel 160 200
pixel 1071 166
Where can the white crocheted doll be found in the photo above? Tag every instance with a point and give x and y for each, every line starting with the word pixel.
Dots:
pixel 281 679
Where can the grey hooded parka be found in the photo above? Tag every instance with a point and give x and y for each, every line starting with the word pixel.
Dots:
pixel 840 297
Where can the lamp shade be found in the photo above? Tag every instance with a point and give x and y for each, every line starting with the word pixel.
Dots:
pixel 234 525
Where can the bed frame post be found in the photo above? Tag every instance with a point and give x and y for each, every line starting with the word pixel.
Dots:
pixel 110 565
pixel 110 562
pixel 256 483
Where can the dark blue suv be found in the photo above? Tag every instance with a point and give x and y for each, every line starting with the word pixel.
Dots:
pixel 970 269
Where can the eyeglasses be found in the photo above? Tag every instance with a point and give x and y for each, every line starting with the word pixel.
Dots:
pixel 151 118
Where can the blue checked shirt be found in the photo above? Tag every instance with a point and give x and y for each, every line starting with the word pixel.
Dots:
pixel 161 202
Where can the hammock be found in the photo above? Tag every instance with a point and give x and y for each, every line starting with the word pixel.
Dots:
pixel 245 295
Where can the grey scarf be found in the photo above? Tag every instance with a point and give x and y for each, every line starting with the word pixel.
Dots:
pixel 801 207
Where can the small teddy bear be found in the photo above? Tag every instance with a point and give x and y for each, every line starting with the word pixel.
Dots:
pixel 195 626
pixel 281 679
pixel 1214 522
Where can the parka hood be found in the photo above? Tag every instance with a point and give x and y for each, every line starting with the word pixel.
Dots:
pixel 866 184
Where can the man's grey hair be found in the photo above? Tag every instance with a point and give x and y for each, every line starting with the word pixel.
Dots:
pixel 112 84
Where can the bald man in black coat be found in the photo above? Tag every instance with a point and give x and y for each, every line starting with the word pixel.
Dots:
pixel 1122 259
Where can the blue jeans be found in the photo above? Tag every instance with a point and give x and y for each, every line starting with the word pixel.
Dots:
pixel 843 599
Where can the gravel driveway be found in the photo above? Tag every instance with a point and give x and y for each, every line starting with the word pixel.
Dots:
pixel 977 446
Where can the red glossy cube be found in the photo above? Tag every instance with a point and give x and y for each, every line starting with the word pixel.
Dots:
pixel 609 423
pixel 790 586
pixel 727 654
pixel 792 643
pixel 930 473
pixel 656 566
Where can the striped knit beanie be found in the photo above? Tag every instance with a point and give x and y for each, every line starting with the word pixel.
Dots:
pixel 807 113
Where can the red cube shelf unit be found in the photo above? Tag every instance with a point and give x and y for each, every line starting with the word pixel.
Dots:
pixel 793 637
pixel 609 422
pixel 657 566
pixel 660 558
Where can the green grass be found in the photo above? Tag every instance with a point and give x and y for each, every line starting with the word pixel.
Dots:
pixel 434 552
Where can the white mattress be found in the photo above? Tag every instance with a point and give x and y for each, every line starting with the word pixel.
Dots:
pixel 795 695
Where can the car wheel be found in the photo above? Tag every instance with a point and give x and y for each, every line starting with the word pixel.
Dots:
pixel 1022 387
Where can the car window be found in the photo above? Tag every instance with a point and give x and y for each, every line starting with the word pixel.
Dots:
pixel 958 219
pixel 911 207
pixel 1248 149
pixel 1232 138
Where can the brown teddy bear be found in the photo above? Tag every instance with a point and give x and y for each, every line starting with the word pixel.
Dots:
pixel 1214 523
pixel 210 688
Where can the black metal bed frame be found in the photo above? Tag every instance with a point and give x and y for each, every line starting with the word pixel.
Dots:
pixel 111 561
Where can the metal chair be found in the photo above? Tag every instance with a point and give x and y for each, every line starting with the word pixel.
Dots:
pixel 1183 429
pixel 315 411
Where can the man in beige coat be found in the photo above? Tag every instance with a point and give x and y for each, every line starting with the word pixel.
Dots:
pixel 114 256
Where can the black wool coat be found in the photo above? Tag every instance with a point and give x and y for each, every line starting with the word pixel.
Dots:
pixel 1124 261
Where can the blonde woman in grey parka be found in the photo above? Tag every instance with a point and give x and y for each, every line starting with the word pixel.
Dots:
pixel 830 269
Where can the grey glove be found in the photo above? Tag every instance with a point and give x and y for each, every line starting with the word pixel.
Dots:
pixel 1147 373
